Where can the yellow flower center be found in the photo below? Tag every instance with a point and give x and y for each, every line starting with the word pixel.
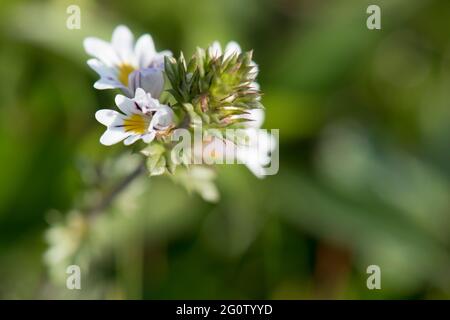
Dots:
pixel 136 123
pixel 124 71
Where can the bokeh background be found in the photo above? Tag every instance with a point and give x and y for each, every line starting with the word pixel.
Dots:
pixel 364 157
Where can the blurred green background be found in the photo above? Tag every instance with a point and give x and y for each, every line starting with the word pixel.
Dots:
pixel 364 157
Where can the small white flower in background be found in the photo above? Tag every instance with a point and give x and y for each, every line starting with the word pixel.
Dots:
pixel 256 153
pixel 143 118
pixel 261 144
pixel 253 146
pixel 115 62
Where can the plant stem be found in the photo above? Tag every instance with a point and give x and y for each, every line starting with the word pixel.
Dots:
pixel 121 186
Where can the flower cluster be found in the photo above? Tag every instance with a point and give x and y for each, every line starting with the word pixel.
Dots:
pixel 215 90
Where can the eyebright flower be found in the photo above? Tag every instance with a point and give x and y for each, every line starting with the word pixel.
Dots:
pixel 214 90
pixel 254 152
pixel 143 118
pixel 116 62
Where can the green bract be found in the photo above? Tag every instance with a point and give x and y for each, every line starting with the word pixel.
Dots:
pixel 220 89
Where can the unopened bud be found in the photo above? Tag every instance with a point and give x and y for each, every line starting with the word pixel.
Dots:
pixel 149 79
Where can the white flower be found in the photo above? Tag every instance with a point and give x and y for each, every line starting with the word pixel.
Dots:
pixel 256 153
pixel 115 61
pixel 252 146
pixel 143 118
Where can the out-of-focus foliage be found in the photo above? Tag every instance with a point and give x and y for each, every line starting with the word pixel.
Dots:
pixel 364 149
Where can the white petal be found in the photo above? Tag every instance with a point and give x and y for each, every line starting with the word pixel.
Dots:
pixel 102 50
pixel 113 135
pixel 256 117
pixel 108 117
pixel 231 48
pixel 140 93
pixel 145 101
pixel 158 59
pixel 151 103
pixel 257 152
pixel 255 68
pixel 256 169
pixel 255 86
pixel 215 50
pixel 131 139
pixel 122 42
pixel 165 53
pixel 266 143
pixel 104 83
pixel 126 105
pixel 148 137
pixel 261 144
pixel 144 51
pixel 251 158
pixel 162 119
pixel 102 69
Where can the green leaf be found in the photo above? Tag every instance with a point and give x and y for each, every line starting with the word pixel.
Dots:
pixel 156 162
